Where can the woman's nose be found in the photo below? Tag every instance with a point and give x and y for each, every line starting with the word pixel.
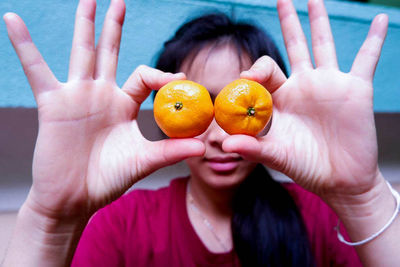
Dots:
pixel 215 134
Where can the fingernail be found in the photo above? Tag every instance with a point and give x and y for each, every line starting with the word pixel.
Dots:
pixel 8 15
pixel 382 17
pixel 245 73
pixel 180 74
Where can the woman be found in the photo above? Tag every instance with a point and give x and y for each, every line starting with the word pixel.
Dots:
pixel 197 212
pixel 106 153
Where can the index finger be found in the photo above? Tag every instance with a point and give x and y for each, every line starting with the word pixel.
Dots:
pixel 145 79
pixel 267 72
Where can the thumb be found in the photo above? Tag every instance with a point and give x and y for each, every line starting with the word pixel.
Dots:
pixel 170 151
pixel 257 149
pixel 247 146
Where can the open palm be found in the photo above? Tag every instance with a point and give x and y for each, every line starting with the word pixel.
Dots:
pixel 323 132
pixel 89 148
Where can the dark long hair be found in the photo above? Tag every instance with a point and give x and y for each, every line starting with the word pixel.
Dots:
pixel 267 227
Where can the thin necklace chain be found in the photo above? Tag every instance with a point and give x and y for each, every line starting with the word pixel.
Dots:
pixel 194 208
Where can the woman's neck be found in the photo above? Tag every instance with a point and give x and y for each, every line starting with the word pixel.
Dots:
pixel 210 213
pixel 215 203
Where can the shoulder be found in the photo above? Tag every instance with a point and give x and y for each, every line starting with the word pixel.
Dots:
pixel 134 222
pixel 136 207
pixel 137 211
pixel 320 221
pixel 318 217
pixel 145 200
pixel 305 200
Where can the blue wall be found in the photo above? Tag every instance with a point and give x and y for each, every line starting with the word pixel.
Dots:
pixel 149 22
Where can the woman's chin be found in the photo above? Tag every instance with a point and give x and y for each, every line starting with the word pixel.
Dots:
pixel 224 179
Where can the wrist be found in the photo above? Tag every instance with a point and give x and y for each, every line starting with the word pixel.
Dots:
pixel 48 225
pixel 41 240
pixel 364 214
pixel 362 202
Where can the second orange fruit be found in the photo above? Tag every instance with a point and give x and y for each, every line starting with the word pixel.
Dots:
pixel 243 107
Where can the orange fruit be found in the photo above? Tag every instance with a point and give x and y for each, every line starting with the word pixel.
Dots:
pixel 183 109
pixel 243 107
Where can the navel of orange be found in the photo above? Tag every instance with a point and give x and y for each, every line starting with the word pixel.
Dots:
pixel 243 107
pixel 183 109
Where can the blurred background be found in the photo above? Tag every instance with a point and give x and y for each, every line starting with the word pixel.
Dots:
pixel 148 24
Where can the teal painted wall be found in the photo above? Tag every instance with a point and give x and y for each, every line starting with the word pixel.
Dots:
pixel 150 22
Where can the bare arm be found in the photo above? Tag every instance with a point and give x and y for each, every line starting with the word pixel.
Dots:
pixel 323 132
pixel 365 214
pixel 89 149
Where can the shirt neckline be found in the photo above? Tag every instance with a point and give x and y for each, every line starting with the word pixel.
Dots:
pixel 193 238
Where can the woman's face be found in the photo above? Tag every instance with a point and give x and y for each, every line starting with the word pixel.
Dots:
pixel 214 69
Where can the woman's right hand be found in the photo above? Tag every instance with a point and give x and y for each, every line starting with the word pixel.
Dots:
pixel 89 149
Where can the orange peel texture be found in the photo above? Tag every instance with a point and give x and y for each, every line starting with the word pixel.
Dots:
pixel 183 109
pixel 243 107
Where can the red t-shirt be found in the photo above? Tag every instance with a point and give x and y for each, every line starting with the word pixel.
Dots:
pixel 152 228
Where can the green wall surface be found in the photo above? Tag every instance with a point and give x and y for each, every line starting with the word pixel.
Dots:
pixel 149 23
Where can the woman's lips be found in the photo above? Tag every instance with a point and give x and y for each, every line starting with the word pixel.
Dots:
pixel 223 164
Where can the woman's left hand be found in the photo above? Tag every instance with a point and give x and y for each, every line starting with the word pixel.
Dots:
pixel 323 132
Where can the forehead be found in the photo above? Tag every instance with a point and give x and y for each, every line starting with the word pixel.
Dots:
pixel 215 67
